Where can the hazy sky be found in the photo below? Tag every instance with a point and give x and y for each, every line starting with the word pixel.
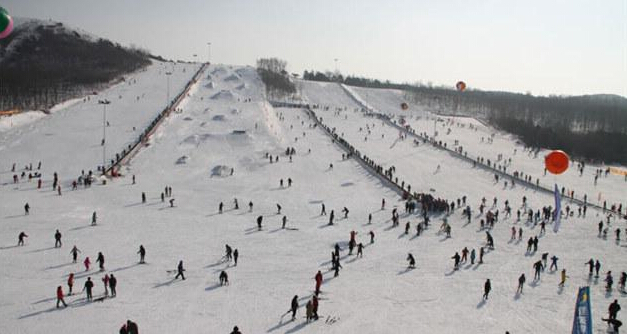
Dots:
pixel 545 47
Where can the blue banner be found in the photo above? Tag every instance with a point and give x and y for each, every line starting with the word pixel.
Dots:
pixel 557 214
pixel 582 324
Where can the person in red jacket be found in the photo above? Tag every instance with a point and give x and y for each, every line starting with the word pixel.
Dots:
pixel 318 281
pixel 70 282
pixel 60 296
pixel 87 262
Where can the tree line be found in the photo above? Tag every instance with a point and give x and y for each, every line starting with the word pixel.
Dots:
pixel 276 79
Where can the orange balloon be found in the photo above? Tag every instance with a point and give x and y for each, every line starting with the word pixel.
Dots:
pixel 556 162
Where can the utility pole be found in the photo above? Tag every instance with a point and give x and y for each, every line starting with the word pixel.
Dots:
pixel 104 132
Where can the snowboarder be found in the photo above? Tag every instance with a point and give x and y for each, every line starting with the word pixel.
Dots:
pixel 20 238
pixel 294 306
pixel 57 239
pixel 486 289
pixel 88 286
pixel 224 278
pixel 180 270
pixel 521 283
pixel 142 253
pixel 60 297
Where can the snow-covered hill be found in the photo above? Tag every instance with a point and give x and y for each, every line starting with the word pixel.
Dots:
pixel 227 124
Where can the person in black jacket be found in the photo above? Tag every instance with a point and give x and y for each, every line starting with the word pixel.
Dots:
pixel 142 253
pixel 236 330
pixel 113 282
pixel 131 327
pixel 224 278
pixel 486 289
pixel 180 271
pixel 294 306
pixel 88 286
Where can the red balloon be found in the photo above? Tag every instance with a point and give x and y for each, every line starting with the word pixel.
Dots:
pixel 461 86
pixel 556 162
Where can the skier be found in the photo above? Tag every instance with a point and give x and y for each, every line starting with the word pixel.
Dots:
pixel 294 306
pixel 143 197
pixel 621 281
pixel 250 206
pixel 370 218
pixel 521 283
pixel 236 331
pixel 360 249
pixel 60 297
pixel 489 240
pixel 113 282
pixel 26 209
pixel 331 217
pixel 57 239
pixel 371 237
pixel 486 289
pixel 235 256
pixel 597 267
pixel 20 238
pixel 553 262
pixel 224 278
pixel 142 253
pixel 345 210
pixel 314 304
pixel 383 204
pixel 93 218
pixel 563 278
pixel 613 309
pixel 70 283
pixel 407 227
pixel 412 261
pixel 590 264
pixel 609 281
pixel 100 259
pixel 284 220
pixel 323 212
pixel 278 209
pixel 220 206
pixel 228 252
pixel 88 286
pixel 472 256
pixel 162 197
pixel 456 257
pixel 538 267
pixel 318 279
pixel 464 254
pixel 87 263
pixel 481 255
pixel 308 307
pixel 105 280
pixel 235 204
pixel 180 270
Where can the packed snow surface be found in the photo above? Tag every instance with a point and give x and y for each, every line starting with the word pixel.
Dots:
pixel 375 293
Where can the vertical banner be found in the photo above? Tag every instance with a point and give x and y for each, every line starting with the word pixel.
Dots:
pixel 558 208
pixel 582 323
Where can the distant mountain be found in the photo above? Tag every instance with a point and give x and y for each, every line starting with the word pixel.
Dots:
pixel 44 62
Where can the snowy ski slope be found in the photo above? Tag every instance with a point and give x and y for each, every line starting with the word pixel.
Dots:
pixel 227 123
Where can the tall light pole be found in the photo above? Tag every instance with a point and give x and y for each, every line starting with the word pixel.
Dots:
pixel 208 52
pixel 104 132
pixel 167 75
pixel 337 72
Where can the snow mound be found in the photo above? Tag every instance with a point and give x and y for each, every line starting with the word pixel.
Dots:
pixel 195 139
pixel 182 160
pixel 232 77
pixel 210 85
pixel 188 119
pixel 235 111
pixel 218 71
pixel 223 95
pixel 240 87
pixel 219 118
pixel 221 171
